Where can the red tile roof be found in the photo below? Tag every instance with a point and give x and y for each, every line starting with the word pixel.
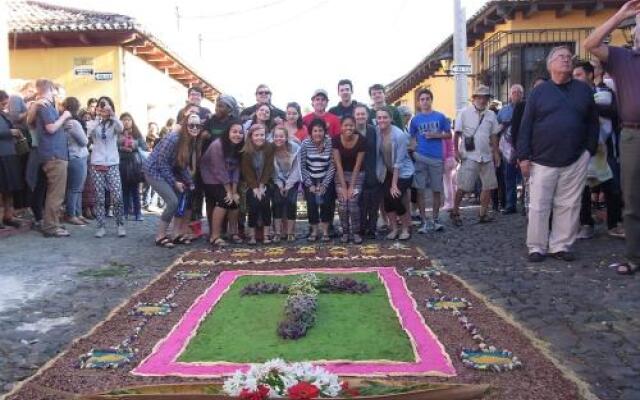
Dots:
pixel 38 24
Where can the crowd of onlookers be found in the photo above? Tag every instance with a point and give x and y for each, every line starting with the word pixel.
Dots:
pixel 570 147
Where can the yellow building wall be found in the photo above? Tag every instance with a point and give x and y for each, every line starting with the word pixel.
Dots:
pixel 444 88
pixel 57 64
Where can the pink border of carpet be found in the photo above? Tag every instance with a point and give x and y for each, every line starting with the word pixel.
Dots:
pixel 431 358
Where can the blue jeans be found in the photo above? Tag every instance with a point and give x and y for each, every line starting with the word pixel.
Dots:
pixel 76 175
pixel 131 199
pixel 510 184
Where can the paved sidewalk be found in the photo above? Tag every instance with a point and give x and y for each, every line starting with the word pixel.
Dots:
pixel 53 290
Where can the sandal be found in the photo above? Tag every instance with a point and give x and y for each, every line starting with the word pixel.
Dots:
pixel 164 242
pixel 181 239
pixel 326 238
pixel 291 237
pixel 625 268
pixel 252 241
pixel 357 239
pixel 276 238
pixel 236 239
pixel 455 219
pixel 266 240
pixel 485 219
pixel 393 235
pixel 312 237
pixel 218 242
pixel 344 238
pixel 404 236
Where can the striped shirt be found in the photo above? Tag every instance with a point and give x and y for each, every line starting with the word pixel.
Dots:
pixel 316 164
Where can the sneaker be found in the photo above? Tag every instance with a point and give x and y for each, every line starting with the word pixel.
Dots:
pixel 100 233
pixel 535 257
pixel 437 226
pixel 121 231
pixel 110 214
pixel 139 218
pixel 58 232
pixel 585 232
pixel 617 232
pixel 425 228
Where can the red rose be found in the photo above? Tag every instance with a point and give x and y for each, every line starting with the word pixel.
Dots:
pixel 347 391
pixel 303 391
pixel 260 394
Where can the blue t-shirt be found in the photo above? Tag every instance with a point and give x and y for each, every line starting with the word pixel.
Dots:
pixel 54 145
pixel 422 124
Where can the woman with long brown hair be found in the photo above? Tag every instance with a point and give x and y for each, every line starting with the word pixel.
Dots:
pixel 129 142
pixel 167 171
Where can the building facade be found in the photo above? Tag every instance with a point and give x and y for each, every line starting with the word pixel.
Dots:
pixel 507 43
pixel 95 54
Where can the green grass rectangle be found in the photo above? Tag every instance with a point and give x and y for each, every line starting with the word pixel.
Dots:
pixel 357 327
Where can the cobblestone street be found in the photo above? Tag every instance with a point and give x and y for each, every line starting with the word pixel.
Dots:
pixel 53 290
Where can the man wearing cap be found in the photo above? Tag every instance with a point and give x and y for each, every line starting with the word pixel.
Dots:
pixel 623 66
pixel 476 148
pixel 263 96
pixel 558 135
pixel 319 102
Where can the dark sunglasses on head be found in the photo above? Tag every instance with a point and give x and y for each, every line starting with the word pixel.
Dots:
pixel 263 92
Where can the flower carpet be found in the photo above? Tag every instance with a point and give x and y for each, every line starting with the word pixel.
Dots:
pixel 381 310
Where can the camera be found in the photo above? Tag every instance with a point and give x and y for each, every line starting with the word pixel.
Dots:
pixel 469 143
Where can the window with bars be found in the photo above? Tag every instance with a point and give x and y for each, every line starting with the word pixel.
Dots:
pixel 507 58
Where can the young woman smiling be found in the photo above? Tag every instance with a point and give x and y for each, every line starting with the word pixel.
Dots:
pixel 348 154
pixel 220 172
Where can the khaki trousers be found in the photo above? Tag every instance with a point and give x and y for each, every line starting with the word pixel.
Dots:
pixel 56 173
pixel 558 190
pixel 630 164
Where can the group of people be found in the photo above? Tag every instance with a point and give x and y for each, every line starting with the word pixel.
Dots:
pixel 57 156
pixel 574 139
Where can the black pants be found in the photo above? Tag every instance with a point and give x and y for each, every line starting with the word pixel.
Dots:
pixel 322 212
pixel 499 195
pixel 259 210
pixel 285 206
pixel 39 194
pixel 394 204
pixel 370 207
pixel 613 201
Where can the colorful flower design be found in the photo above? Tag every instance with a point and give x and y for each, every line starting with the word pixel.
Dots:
pixel 338 251
pixel 370 249
pixel 490 359
pixel 106 358
pixel 151 309
pixel 275 252
pixel 307 250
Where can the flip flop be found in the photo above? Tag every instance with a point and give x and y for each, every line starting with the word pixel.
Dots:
pixel 164 242
pixel 625 268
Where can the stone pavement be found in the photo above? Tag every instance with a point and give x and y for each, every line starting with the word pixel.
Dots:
pixel 53 290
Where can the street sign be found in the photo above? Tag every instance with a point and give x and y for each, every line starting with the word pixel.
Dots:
pixel 103 76
pixel 83 71
pixel 461 69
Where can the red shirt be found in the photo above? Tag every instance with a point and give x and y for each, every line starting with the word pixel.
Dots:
pixel 333 123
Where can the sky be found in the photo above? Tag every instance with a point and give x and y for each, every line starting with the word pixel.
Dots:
pixel 294 46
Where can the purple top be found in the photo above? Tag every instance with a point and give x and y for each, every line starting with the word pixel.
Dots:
pixel 215 169
pixel 623 66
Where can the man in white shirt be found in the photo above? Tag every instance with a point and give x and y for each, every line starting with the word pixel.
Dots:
pixel 476 148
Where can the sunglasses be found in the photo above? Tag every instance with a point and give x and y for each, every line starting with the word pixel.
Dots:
pixel 194 126
pixel 266 92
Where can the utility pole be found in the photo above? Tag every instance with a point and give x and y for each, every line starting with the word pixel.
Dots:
pixel 4 45
pixel 462 66
pixel 178 18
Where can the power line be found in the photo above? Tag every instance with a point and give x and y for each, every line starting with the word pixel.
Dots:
pixel 268 27
pixel 236 12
